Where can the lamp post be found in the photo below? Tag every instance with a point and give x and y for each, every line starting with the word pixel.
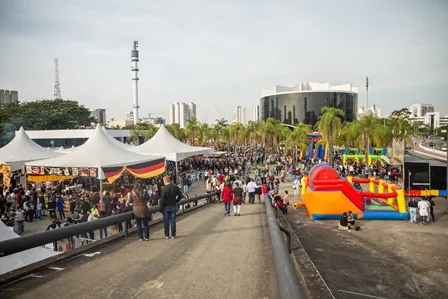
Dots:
pixel 446 183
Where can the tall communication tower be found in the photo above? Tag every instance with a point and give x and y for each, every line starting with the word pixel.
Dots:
pixel 57 88
pixel 134 69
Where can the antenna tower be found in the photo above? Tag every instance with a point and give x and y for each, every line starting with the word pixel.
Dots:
pixel 57 89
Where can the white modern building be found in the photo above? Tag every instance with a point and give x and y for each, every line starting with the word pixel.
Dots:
pixel 8 96
pixel 69 138
pixel 432 119
pixel 420 110
pixel 303 102
pixel 180 113
pixel 374 110
pixel 240 115
pixel 256 113
pixel 100 116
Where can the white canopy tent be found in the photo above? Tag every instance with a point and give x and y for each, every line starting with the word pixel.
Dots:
pixel 97 152
pixel 164 144
pixel 115 141
pixel 22 149
pixel 20 259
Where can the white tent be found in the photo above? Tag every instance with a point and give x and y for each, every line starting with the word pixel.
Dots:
pixel 164 144
pixel 22 149
pixel 97 152
pixel 120 144
pixel 20 259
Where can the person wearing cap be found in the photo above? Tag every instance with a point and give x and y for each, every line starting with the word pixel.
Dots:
pixel 412 205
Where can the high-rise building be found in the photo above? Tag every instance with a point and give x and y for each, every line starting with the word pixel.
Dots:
pixel 129 115
pixel 180 113
pixel 256 113
pixel 240 114
pixel 100 116
pixel 374 110
pixel 172 117
pixel 8 96
pixel 420 110
pixel 191 110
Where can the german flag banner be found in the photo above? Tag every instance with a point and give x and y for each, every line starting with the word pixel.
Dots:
pixel 148 169
pixel 113 173
pixel 144 170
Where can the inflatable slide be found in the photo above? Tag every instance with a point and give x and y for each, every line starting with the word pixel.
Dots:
pixel 326 196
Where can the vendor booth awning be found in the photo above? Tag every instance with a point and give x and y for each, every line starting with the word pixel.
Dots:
pixel 22 149
pixel 98 157
pixel 164 144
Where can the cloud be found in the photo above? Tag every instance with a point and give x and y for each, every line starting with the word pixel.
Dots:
pixel 222 52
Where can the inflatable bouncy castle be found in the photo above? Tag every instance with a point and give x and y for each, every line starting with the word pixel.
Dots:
pixel 326 196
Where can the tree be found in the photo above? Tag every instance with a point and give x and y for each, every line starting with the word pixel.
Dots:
pixel 44 115
pixel 298 139
pixel 365 128
pixel 330 126
pixel 193 129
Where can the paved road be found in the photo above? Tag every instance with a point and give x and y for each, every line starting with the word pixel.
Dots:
pixel 213 257
pixel 423 150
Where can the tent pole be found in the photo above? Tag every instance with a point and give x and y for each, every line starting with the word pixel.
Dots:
pixel 101 188
pixel 177 174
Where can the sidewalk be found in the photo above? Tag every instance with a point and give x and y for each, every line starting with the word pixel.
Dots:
pixel 213 256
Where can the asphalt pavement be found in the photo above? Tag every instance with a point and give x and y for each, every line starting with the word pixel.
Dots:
pixel 213 256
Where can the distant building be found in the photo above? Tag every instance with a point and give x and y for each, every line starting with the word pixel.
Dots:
pixel 432 119
pixel 374 110
pixel 180 113
pixel 126 123
pixel 8 96
pixel 240 115
pixel 129 115
pixel 420 110
pixel 172 114
pixel 303 102
pixel 256 113
pixel 100 116
pixel 69 138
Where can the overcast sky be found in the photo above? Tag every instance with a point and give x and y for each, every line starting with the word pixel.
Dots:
pixel 220 54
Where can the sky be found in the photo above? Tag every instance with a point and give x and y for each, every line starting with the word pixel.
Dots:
pixel 220 54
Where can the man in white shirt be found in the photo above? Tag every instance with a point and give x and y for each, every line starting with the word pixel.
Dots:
pixel 423 208
pixel 251 186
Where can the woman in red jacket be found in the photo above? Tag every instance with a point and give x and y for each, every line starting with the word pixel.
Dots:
pixel 227 197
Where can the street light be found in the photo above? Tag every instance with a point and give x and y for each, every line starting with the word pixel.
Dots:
pixel 446 183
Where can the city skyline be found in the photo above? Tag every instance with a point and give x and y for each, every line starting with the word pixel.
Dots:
pixel 404 57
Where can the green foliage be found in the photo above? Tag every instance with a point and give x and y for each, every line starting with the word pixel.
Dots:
pixel 44 115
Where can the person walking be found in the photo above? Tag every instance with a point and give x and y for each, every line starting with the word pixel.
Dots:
pixel 139 199
pixel 170 195
pixel 237 199
pixel 251 188
pixel 423 209
pixel 412 205
pixel 60 206
pixel 227 197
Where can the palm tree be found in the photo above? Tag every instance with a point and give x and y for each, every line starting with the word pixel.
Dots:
pixel 221 131
pixel 298 139
pixel 330 126
pixel 365 128
pixel 204 133
pixel 152 130
pixel 176 131
pixel 192 129
pixel 236 132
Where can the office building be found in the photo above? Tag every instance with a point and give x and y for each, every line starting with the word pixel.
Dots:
pixel 374 110
pixel 129 115
pixel 302 103
pixel 256 113
pixel 180 113
pixel 100 116
pixel 420 110
pixel 433 119
pixel 8 96
pixel 240 115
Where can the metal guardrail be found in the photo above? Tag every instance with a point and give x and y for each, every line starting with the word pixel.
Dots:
pixel 289 286
pixel 15 245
